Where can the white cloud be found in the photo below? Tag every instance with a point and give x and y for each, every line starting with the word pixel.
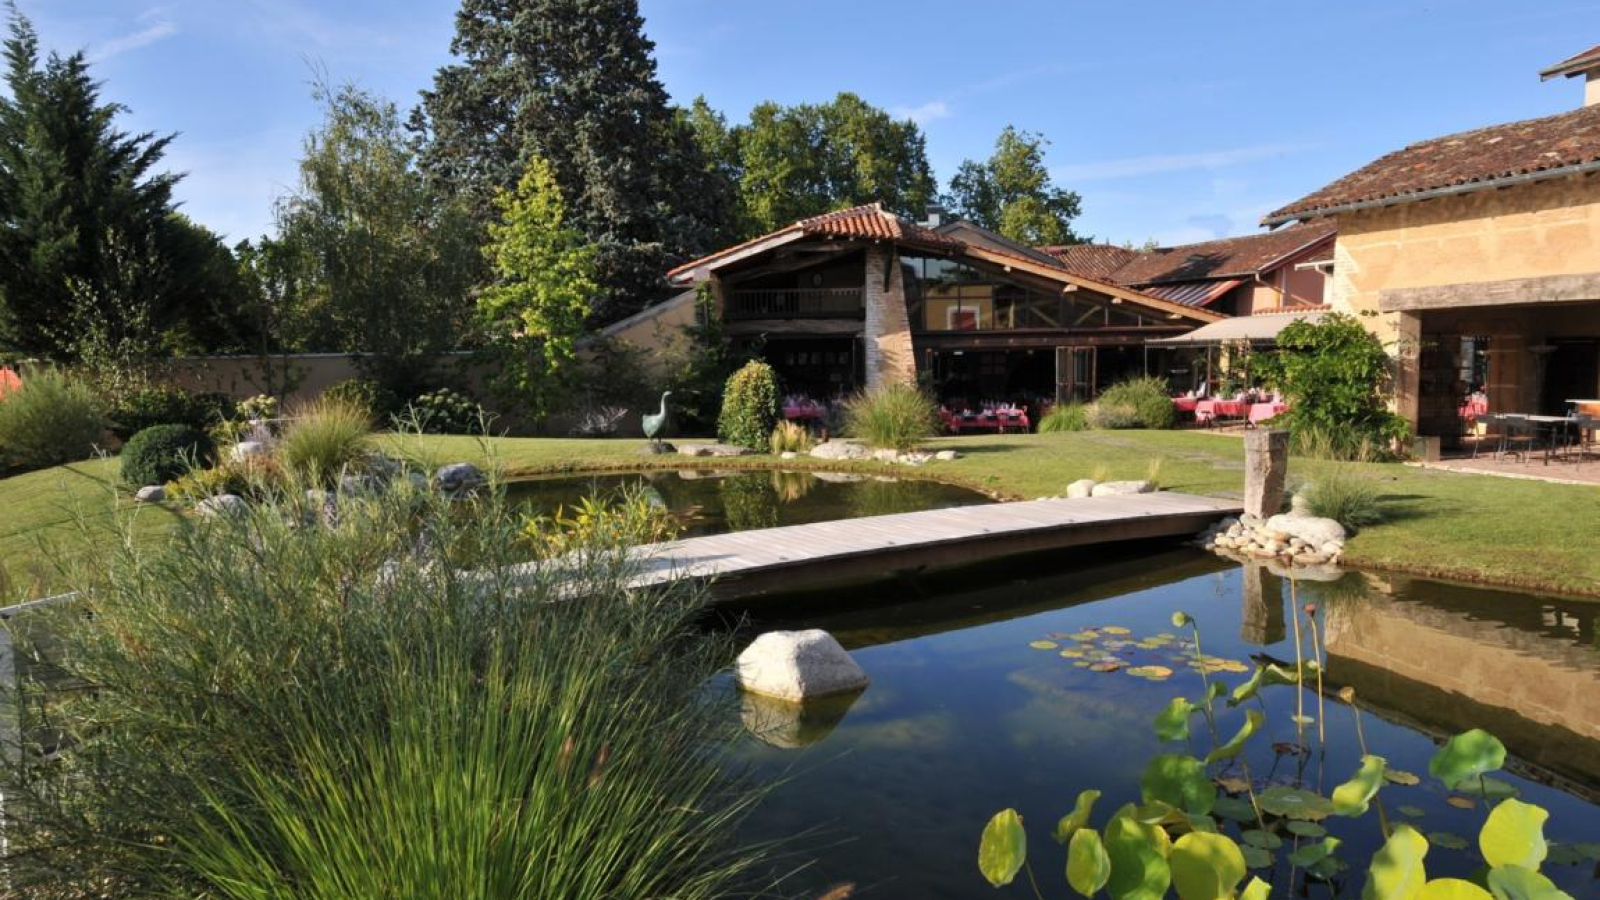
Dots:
pixel 922 115
pixel 158 28
pixel 1155 164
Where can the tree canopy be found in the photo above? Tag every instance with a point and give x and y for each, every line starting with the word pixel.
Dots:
pixel 573 82
pixel 1011 192
pixel 88 232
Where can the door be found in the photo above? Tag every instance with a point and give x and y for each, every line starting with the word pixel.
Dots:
pixel 1571 373
pixel 1074 374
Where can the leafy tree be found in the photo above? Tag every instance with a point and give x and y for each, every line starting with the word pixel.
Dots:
pixel 573 83
pixel 803 160
pixel 1337 379
pixel 1011 192
pixel 385 258
pixel 544 290
pixel 87 228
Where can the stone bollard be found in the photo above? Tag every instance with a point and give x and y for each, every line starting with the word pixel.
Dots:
pixel 1266 463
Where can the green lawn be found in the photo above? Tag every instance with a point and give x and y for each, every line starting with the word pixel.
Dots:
pixel 1523 534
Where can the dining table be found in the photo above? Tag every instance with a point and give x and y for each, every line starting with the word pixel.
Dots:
pixel 998 420
pixel 802 412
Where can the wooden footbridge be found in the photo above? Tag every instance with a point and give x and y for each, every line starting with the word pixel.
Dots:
pixel 745 564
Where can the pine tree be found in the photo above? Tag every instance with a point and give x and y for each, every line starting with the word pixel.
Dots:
pixel 573 83
pixel 78 201
pixel 1011 192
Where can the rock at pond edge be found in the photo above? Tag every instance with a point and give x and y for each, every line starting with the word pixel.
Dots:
pixel 798 665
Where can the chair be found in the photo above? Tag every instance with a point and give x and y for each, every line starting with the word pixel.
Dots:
pixel 1518 436
pixel 1583 436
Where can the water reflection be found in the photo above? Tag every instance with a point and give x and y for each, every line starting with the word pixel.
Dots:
pixel 790 724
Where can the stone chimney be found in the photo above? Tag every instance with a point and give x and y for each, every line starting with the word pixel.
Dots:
pixel 1585 65
pixel 933 214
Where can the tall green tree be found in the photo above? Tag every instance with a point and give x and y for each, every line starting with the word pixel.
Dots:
pixel 1011 192
pixel 544 290
pixel 573 82
pixel 808 159
pixel 385 259
pixel 87 229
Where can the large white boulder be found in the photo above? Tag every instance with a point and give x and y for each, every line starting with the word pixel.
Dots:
pixel 798 665
pixel 1083 487
pixel 1314 530
pixel 1118 488
pixel 458 477
pixel 246 449
pixel 152 493
pixel 840 450
pixel 222 505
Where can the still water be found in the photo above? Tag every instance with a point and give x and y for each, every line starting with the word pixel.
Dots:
pixel 974 707
pixel 711 502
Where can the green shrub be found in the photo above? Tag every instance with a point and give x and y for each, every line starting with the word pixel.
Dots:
pixel 1065 417
pixel 1337 379
pixel 51 419
pixel 541 736
pixel 895 417
pixel 445 411
pixel 167 405
pixel 1111 416
pixel 323 440
pixel 261 406
pixel 1147 397
pixel 161 453
pixel 365 393
pixel 1345 494
pixel 790 437
pixel 749 406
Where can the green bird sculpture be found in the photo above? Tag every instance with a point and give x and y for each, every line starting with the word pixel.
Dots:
pixel 655 424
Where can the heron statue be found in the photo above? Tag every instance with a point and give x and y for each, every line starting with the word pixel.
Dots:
pixel 655 424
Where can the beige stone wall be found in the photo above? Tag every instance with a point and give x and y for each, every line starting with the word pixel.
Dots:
pixel 890 356
pixel 654 329
pixel 1528 231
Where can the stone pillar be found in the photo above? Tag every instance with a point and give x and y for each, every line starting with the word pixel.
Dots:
pixel 1266 463
pixel 1261 619
pixel 1408 367
pixel 890 357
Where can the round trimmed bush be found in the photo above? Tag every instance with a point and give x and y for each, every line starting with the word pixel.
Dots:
pixel 749 406
pixel 162 453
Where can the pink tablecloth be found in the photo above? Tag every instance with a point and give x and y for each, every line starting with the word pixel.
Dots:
pixel 808 411
pixel 988 422
pixel 1260 412
pixel 1185 404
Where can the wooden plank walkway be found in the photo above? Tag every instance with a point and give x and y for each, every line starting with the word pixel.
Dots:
pixel 800 557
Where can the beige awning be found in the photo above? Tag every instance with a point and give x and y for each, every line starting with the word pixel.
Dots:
pixel 1262 328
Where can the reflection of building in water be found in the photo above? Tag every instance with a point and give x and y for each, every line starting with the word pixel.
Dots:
pixel 1261 619
pixel 1458 658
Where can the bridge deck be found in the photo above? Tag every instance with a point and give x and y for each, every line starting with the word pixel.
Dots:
pixel 799 557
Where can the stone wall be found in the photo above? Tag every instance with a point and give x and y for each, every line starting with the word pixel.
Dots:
pixel 890 357
pixel 1536 230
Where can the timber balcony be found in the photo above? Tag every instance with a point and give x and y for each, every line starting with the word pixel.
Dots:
pixel 795 303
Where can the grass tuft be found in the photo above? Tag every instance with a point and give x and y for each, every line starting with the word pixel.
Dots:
pixel 894 417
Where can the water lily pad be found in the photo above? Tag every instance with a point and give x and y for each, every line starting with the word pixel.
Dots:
pixel 1305 829
pixel 1152 672
pixel 1179 781
pixel 1078 818
pixel 1117 645
pixel 1138 855
pixel 1003 848
pixel 1460 802
pixel 1294 803
pixel 1206 866
pixel 1307 855
pixel 1303 720
pixel 1352 797
pixel 1115 629
pixel 1088 864
pixel 1466 756
pixel 1043 645
pixel 1084 636
pixel 1520 883
pixel 1494 789
pixel 1266 840
pixel 1072 653
pixel 1400 777
pixel 1106 665
pixel 1232 784
pixel 1414 812
pixel 1083 664
pixel 1234 809
pixel 1513 835
pixel 1565 855
pixel 1255 857
pixel 1397 871
pixel 1172 724
pixel 1449 840
pixel 1253 720
pixel 1451 889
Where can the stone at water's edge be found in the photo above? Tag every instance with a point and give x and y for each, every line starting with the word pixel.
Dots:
pixel 1119 488
pixel 713 450
pixel 840 450
pixel 798 665
pixel 1083 487
pixel 1313 530
pixel 1266 465
pixel 458 477
pixel 946 455
pixel 154 493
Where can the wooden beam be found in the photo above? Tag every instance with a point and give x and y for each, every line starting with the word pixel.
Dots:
pixel 1514 291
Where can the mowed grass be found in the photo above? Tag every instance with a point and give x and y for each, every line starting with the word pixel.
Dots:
pixel 1524 534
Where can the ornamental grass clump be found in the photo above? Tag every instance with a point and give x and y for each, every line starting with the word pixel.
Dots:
pixel 51 419
pixel 325 439
pixel 892 417
pixel 382 700
pixel 1065 417
pixel 749 406
pixel 790 437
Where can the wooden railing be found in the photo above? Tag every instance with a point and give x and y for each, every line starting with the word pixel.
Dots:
pixel 795 303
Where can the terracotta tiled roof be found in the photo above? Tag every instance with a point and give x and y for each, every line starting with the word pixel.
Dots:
pixel 1466 161
pixel 1092 260
pixel 1226 258
pixel 1573 65
pixel 871 221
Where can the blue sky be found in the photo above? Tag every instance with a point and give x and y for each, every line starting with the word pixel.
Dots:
pixel 1177 121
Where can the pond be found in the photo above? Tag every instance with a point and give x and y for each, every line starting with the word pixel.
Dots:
pixel 712 502
pixel 985 695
